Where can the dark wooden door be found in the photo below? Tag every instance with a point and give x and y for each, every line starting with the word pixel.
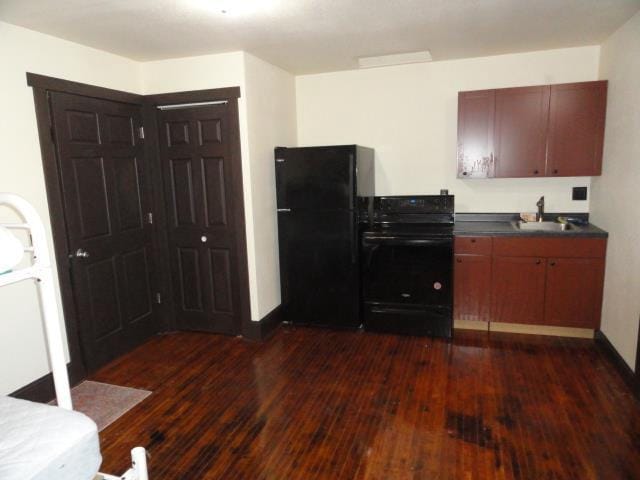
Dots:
pixel 106 194
pixel 476 114
pixel 574 292
pixel 195 155
pixel 520 131
pixel 472 287
pixel 576 128
pixel 518 290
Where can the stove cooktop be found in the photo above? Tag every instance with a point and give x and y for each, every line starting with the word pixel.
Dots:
pixel 412 216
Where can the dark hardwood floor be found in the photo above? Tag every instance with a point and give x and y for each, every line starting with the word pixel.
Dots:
pixel 312 403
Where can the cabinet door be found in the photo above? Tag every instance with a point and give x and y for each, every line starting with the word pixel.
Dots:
pixel 573 296
pixel 518 290
pixel 520 131
pixel 576 128
pixel 475 134
pixel 472 287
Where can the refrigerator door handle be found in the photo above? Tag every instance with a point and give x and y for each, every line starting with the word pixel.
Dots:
pixel 286 210
pixel 353 233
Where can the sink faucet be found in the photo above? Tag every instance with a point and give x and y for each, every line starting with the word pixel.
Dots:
pixel 540 206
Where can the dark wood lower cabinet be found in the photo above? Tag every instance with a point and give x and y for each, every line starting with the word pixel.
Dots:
pixel 472 287
pixel 518 290
pixel 549 281
pixel 573 293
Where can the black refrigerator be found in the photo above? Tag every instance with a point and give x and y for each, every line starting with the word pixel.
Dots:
pixel 321 194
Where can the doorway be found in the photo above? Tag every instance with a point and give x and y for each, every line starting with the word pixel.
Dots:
pixel 114 172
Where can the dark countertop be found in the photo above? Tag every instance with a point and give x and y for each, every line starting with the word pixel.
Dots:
pixel 500 225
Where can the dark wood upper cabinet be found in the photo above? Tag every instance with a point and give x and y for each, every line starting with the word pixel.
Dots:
pixel 475 133
pixel 548 130
pixel 576 128
pixel 520 131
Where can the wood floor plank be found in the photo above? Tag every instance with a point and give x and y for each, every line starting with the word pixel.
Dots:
pixel 319 404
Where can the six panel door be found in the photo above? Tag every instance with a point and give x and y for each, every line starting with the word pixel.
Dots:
pixel 194 153
pixel 520 131
pixel 106 193
pixel 576 128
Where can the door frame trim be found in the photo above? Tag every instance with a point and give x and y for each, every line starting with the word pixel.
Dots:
pixel 150 118
pixel 42 85
pixel 53 84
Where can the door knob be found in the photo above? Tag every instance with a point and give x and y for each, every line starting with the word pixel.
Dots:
pixel 203 238
pixel 80 253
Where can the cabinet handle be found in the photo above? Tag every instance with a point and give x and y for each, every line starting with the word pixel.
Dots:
pixel 535 172
pixel 555 170
pixel 538 262
pixel 459 260
pixel 552 264
pixel 464 173
pixel 473 240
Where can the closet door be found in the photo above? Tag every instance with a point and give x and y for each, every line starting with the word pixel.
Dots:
pixel 106 194
pixel 195 161
pixel 521 131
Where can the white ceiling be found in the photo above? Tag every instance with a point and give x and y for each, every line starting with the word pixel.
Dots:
pixel 305 36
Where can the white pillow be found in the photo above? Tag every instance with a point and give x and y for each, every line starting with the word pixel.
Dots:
pixel 11 250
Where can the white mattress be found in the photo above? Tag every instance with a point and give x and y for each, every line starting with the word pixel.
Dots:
pixel 42 442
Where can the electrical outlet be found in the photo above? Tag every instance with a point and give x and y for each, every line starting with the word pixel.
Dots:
pixel 579 193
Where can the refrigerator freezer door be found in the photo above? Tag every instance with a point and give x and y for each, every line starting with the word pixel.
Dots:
pixel 319 267
pixel 321 178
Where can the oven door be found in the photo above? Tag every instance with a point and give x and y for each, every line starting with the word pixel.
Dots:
pixel 407 271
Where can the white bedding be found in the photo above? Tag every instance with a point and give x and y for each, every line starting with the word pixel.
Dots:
pixel 42 442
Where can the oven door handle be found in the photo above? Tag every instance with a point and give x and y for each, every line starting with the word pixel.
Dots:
pixel 402 241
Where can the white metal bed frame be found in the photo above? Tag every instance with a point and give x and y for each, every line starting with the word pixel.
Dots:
pixel 40 270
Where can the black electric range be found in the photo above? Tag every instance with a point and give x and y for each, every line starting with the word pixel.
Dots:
pixel 407 266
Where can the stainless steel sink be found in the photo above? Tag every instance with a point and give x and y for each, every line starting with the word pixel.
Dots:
pixel 544 226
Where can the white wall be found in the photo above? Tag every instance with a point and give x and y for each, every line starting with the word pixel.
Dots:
pixel 408 114
pixel 271 112
pixel 22 348
pixel 615 198
pixel 267 118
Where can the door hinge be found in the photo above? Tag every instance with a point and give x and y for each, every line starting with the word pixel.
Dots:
pixel 150 218
pixel 141 133
pixel 158 298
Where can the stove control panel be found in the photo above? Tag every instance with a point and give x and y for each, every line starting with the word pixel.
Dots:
pixel 419 204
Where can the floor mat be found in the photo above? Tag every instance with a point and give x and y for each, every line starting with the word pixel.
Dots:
pixel 105 403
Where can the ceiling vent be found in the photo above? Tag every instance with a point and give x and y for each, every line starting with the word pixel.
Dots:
pixel 395 59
